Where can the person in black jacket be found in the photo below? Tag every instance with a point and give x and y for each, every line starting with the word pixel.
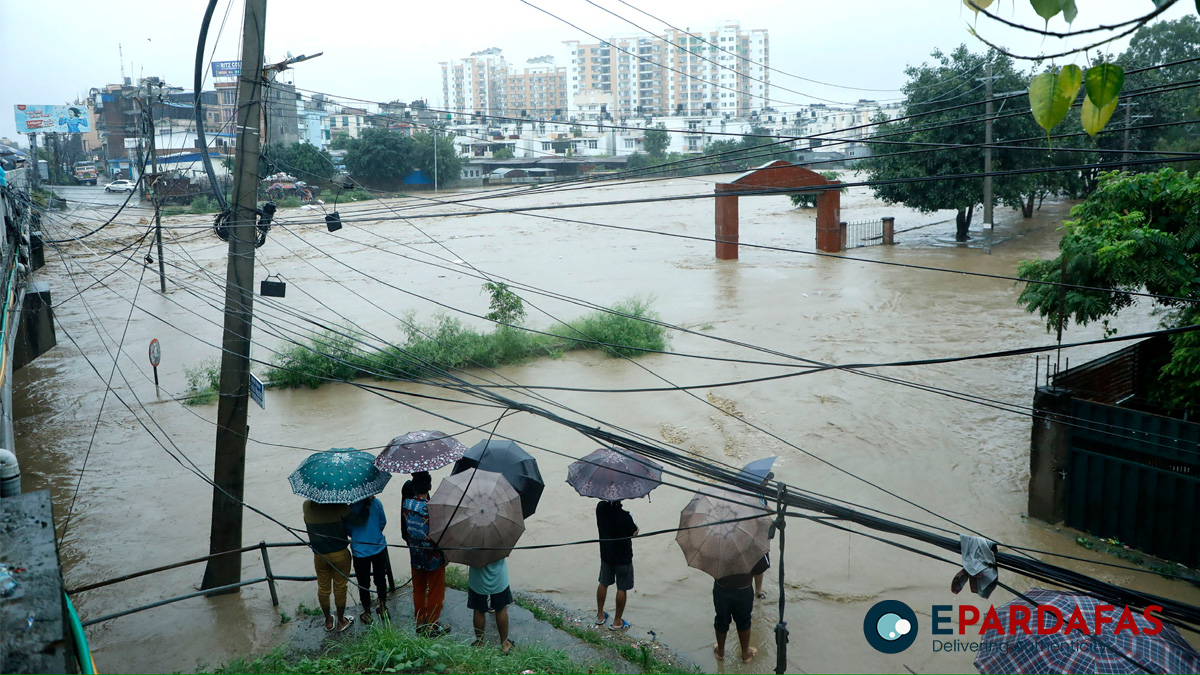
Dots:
pixel 616 527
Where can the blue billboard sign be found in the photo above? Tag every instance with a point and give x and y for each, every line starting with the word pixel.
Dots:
pixel 52 119
pixel 226 68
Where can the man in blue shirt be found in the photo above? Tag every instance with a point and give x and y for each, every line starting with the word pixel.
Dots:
pixel 369 547
pixel 487 587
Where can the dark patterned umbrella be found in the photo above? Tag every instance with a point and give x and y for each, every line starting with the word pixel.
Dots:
pixel 419 451
pixel 1078 652
pixel 338 476
pixel 509 459
pixel 612 474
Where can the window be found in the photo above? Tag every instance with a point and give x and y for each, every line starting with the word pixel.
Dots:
pixel 345 120
pixel 628 142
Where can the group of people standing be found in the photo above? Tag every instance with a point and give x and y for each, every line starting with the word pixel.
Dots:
pixel 345 535
pixel 351 535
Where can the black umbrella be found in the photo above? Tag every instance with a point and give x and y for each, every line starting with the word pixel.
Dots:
pixel 509 459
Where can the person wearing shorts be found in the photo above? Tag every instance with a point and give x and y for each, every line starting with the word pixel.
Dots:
pixel 733 602
pixel 488 589
pixel 616 528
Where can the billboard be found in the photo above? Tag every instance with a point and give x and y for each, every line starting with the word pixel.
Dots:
pixel 53 119
pixel 226 68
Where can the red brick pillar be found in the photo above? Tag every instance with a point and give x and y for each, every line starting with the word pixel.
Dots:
pixel 726 209
pixel 829 213
pixel 889 231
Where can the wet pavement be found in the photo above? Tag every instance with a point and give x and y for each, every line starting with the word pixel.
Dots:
pixel 138 505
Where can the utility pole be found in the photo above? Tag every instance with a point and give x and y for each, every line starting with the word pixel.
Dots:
pixel 434 129
pixel 229 470
pixel 162 274
pixel 36 179
pixel 988 137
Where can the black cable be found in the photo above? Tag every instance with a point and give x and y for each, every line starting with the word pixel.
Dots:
pixel 198 86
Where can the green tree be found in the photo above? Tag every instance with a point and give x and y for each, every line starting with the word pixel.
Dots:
pixel 808 200
pixel 504 152
pixel 1156 44
pixel 1135 231
pixel 507 307
pixel 950 81
pixel 341 142
pixel 656 141
pixel 449 165
pixel 303 160
pixel 380 157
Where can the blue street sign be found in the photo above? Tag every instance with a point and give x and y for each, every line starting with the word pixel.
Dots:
pixel 256 391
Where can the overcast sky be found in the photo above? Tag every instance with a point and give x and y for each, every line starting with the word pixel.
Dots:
pixel 380 50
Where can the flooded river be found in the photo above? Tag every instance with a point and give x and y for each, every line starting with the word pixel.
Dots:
pixel 137 506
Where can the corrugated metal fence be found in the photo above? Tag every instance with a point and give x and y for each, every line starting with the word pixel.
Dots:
pixel 1135 477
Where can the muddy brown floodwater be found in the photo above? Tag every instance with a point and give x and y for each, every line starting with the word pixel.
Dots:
pixel 138 506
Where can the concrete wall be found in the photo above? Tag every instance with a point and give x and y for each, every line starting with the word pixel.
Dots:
pixel 33 622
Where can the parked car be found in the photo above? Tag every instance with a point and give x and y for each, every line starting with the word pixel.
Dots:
pixel 120 186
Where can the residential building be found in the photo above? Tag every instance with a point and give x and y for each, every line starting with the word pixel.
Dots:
pixel 349 121
pixel 722 71
pixel 469 85
pixel 312 123
pixel 280 113
pixel 540 91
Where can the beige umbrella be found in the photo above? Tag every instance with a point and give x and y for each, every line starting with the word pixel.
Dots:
pixel 488 516
pixel 724 548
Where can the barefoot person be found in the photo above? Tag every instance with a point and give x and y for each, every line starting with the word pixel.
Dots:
pixel 428 563
pixel 326 525
pixel 369 547
pixel 616 527
pixel 733 600
pixel 487 588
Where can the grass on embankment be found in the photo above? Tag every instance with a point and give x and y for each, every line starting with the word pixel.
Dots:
pixel 643 656
pixel 446 343
pixel 386 649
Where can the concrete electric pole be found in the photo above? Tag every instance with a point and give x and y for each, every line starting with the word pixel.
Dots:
pixel 148 111
pixel 229 470
pixel 988 136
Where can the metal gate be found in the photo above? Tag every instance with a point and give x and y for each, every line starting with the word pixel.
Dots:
pixel 1135 477
pixel 862 233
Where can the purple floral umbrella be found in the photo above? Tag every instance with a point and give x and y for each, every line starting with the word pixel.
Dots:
pixel 419 451
pixel 612 475
pixel 1108 651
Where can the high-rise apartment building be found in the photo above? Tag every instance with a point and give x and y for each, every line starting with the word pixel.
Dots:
pixel 469 85
pixel 719 71
pixel 722 70
pixel 540 91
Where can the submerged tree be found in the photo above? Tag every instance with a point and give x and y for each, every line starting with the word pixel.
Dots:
pixel 936 94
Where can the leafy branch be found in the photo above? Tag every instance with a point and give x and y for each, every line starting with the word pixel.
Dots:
pixel 979 7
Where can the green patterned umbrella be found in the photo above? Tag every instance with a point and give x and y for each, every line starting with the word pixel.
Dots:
pixel 338 476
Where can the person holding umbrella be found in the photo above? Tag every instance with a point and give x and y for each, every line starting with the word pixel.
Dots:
pixel 476 515
pixel 330 481
pixel 725 534
pixel 369 547
pixel 326 525
pixel 487 588
pixel 613 475
pixel 428 562
pixel 616 527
